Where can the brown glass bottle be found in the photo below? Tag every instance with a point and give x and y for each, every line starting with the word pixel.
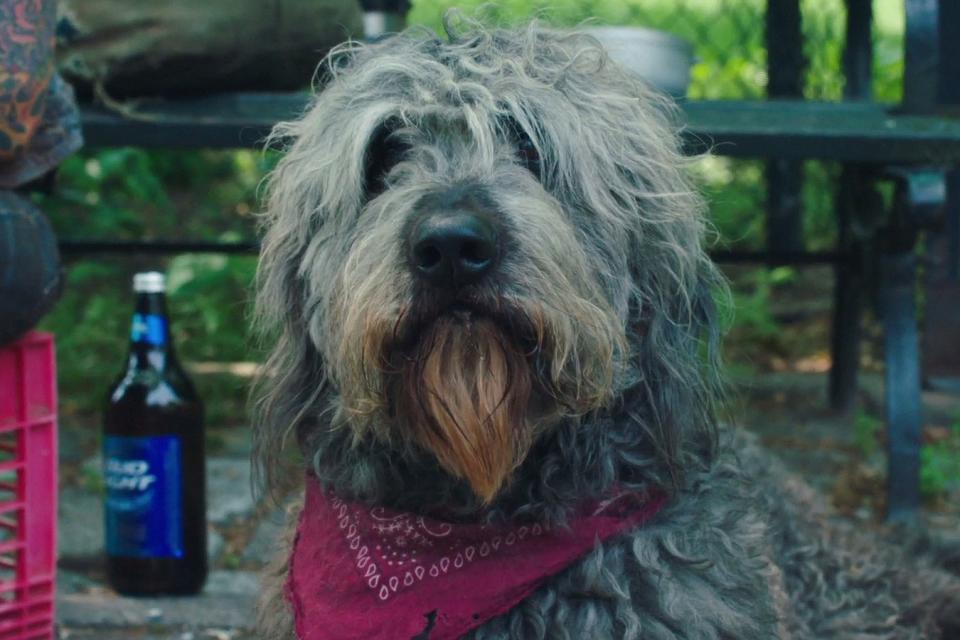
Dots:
pixel 156 528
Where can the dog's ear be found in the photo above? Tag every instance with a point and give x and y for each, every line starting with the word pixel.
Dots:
pixel 675 312
pixel 311 199
pixel 292 380
pixel 677 297
pixel 676 367
pixel 292 383
pixel 651 220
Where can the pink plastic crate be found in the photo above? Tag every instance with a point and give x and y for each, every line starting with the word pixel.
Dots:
pixel 28 488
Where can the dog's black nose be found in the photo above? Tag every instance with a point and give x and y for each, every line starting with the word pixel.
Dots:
pixel 453 249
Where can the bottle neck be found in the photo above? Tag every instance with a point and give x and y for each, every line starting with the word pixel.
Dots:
pixel 150 344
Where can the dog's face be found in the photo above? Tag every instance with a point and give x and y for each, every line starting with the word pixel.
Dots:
pixel 469 241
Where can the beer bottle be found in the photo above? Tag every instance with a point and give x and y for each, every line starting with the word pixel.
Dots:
pixel 156 526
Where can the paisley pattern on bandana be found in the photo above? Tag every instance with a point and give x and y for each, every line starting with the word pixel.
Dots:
pixel 393 550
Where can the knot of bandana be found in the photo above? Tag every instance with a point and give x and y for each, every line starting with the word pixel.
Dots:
pixel 362 572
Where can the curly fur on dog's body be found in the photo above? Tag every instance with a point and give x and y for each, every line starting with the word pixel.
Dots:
pixel 603 298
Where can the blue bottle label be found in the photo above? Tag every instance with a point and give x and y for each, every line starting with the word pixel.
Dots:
pixel 149 328
pixel 144 518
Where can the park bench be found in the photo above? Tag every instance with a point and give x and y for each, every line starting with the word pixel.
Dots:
pixel 911 145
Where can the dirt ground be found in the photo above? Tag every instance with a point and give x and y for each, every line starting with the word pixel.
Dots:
pixel 778 369
pixel 789 412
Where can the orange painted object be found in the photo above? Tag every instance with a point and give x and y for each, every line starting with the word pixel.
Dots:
pixel 28 488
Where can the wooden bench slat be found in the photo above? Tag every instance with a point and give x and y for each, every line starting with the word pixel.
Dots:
pixel 855 132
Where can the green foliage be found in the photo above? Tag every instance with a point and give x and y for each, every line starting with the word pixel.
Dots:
pixel 733 190
pixel 939 458
pixel 210 297
pixel 91 334
pixel 940 464
pixel 819 219
pixel 751 295
pixel 231 560
pixel 866 431
pixel 91 478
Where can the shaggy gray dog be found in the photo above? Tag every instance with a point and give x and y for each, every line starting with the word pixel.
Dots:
pixel 483 269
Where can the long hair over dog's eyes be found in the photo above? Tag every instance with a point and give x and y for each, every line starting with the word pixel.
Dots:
pixel 385 150
pixel 526 150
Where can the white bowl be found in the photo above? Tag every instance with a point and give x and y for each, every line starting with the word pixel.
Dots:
pixel 661 59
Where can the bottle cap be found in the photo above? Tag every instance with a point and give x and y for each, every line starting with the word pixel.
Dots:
pixel 149 282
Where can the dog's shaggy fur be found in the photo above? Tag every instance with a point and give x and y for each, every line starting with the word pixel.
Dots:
pixel 586 360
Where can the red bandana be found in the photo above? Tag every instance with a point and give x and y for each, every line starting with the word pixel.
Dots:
pixel 373 573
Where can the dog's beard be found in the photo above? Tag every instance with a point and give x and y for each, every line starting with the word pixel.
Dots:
pixel 464 395
pixel 475 380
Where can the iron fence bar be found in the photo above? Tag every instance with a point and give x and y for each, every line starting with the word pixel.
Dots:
pixel 921 56
pixel 779 258
pixel 785 70
pixel 858 51
pixel 855 199
pixel 171 247
pixel 154 247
